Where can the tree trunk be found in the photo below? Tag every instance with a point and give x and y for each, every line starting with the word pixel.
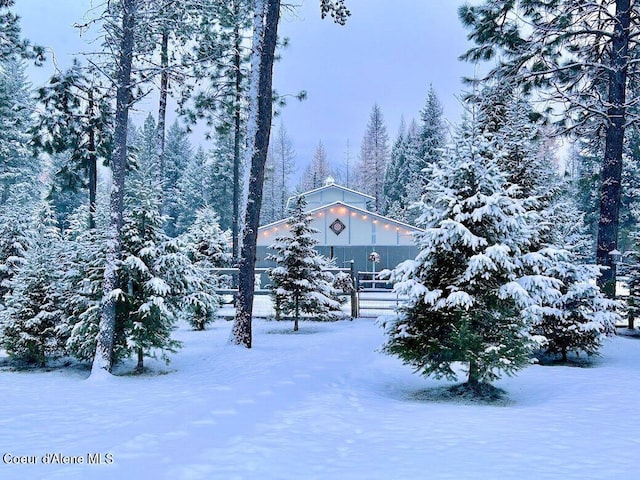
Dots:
pixel 267 15
pixel 237 135
pixel 474 375
pixel 93 167
pixel 103 359
pixel 295 321
pixel 610 190
pixel 140 365
pixel 162 108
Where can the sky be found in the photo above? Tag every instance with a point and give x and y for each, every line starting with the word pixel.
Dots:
pixel 389 53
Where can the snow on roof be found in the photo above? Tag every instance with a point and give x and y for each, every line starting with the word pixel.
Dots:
pixel 328 186
pixel 349 207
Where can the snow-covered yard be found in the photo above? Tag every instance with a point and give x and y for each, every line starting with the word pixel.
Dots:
pixel 319 404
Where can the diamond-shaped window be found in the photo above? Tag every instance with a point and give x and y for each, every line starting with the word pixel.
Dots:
pixel 337 226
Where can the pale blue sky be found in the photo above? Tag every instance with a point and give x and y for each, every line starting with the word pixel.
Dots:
pixel 389 52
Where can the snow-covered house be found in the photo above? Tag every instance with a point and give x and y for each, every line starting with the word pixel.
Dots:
pixel 348 230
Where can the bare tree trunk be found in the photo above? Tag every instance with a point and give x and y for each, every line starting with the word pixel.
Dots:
pixel 140 365
pixel 237 135
pixel 267 15
pixel 162 107
pixel 610 190
pixel 103 359
pixel 474 375
pixel 93 167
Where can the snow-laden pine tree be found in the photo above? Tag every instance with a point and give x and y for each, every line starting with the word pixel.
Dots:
pixel 31 325
pixel 207 246
pixel 193 191
pixel 15 235
pixel 402 183
pixel 576 56
pixel 300 281
pixel 475 288
pixel 580 318
pixel 178 153
pixel 80 288
pixel 19 168
pixel 154 272
pixel 432 133
pixel 76 125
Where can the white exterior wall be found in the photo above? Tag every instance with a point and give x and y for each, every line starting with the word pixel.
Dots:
pixel 331 195
pixel 362 228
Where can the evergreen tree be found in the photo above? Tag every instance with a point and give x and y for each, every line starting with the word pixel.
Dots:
pixel 580 57
pixel 31 326
pixel 581 318
pixel 15 237
pixel 402 183
pixel 475 288
pixel 12 47
pixel 19 168
pixel 207 247
pixel 220 173
pixel 77 125
pixel 81 285
pixel 432 133
pixel 374 158
pixel 177 155
pixel 150 271
pixel 300 282
pixel 194 190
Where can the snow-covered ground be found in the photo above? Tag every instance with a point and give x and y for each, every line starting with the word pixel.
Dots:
pixel 319 404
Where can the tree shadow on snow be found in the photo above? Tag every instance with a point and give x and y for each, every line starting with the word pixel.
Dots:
pixel 483 394
pixel 304 330
pixel 572 360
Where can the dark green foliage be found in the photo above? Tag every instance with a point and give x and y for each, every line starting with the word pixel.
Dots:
pixel 470 295
pixel 300 283
pixel 31 325
pixel 207 247
pixel 19 168
pixel 12 46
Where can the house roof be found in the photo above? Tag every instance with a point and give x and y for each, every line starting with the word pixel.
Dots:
pixel 351 208
pixel 329 186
